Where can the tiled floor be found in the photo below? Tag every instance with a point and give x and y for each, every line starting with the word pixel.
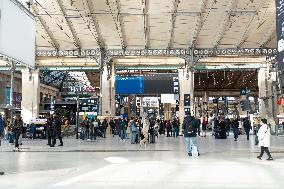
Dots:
pixel 111 164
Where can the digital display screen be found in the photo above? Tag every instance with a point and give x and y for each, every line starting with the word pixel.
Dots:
pixel 129 84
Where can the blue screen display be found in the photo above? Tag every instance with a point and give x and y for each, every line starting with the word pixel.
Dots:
pixel 129 84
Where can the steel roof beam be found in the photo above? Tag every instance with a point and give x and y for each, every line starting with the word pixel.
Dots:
pixel 186 13
pixel 225 22
pixel 99 37
pixel 248 25
pixel 201 20
pixel 118 22
pixel 70 25
pixel 174 15
pixel 268 37
pixel 54 42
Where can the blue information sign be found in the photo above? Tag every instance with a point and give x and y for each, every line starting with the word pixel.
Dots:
pixel 129 85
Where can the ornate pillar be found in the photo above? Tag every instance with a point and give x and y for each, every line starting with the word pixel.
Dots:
pixel 30 94
pixel 186 87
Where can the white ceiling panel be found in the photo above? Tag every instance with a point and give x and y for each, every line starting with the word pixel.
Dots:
pixel 161 24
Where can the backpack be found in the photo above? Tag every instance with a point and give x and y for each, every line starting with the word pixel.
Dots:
pixel 189 127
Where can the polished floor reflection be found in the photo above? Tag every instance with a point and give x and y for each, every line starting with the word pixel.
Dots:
pixel 111 164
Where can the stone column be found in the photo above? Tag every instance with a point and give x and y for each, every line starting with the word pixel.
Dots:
pixel 30 95
pixel 262 91
pixel 186 86
pixel 204 104
pixel 267 95
pixel 112 91
pixel 168 111
pixel 105 93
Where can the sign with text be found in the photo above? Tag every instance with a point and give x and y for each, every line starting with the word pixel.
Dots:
pixel 38 121
pixel 186 99
pixel 73 89
pixel 244 91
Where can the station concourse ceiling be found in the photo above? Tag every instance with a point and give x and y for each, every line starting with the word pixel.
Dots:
pixel 152 24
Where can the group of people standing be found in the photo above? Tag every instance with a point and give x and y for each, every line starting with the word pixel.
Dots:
pixel 191 126
pixel 221 127
pixel 13 130
pixel 53 130
pixel 140 130
pixel 91 128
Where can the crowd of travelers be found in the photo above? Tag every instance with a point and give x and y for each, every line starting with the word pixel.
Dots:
pixel 143 130
pixel 139 130
pixel 221 128
pixel 13 131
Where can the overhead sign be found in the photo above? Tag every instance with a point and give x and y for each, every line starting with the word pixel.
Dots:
pixel 244 91
pixel 280 32
pixel 186 99
pixel 73 89
pixel 17 32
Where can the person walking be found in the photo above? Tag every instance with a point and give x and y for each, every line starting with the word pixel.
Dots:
pixel 122 129
pixel 175 128
pixel 1 134
pixel 189 129
pixel 247 127
pixel 228 126
pixel 152 131
pixel 95 124
pixel 112 125
pixel 169 128
pixel 203 127
pixel 17 127
pixel 56 126
pixel 264 139
pixel 134 130
pixel 198 123
pixel 49 131
pixel 235 127
pixel 1 128
pixel 104 128
pixel 84 126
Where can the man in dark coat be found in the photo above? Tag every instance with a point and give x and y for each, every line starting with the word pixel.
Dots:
pixel 189 128
pixel 56 126
pixel 49 131
pixel 17 126
pixel 247 127
pixel 235 126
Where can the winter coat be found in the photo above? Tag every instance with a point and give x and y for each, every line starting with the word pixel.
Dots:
pixel 122 125
pixel 187 121
pixel 146 125
pixel 1 126
pixel 104 125
pixel 264 136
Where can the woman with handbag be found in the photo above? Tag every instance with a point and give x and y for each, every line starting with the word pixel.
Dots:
pixel 264 139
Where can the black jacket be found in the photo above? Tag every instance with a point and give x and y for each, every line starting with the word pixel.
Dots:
pixel 247 125
pixel 56 124
pixel 189 120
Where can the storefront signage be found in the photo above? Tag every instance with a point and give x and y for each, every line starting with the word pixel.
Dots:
pixel 73 89
pixel 38 121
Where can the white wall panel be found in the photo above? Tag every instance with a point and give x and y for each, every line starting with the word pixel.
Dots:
pixel 17 32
